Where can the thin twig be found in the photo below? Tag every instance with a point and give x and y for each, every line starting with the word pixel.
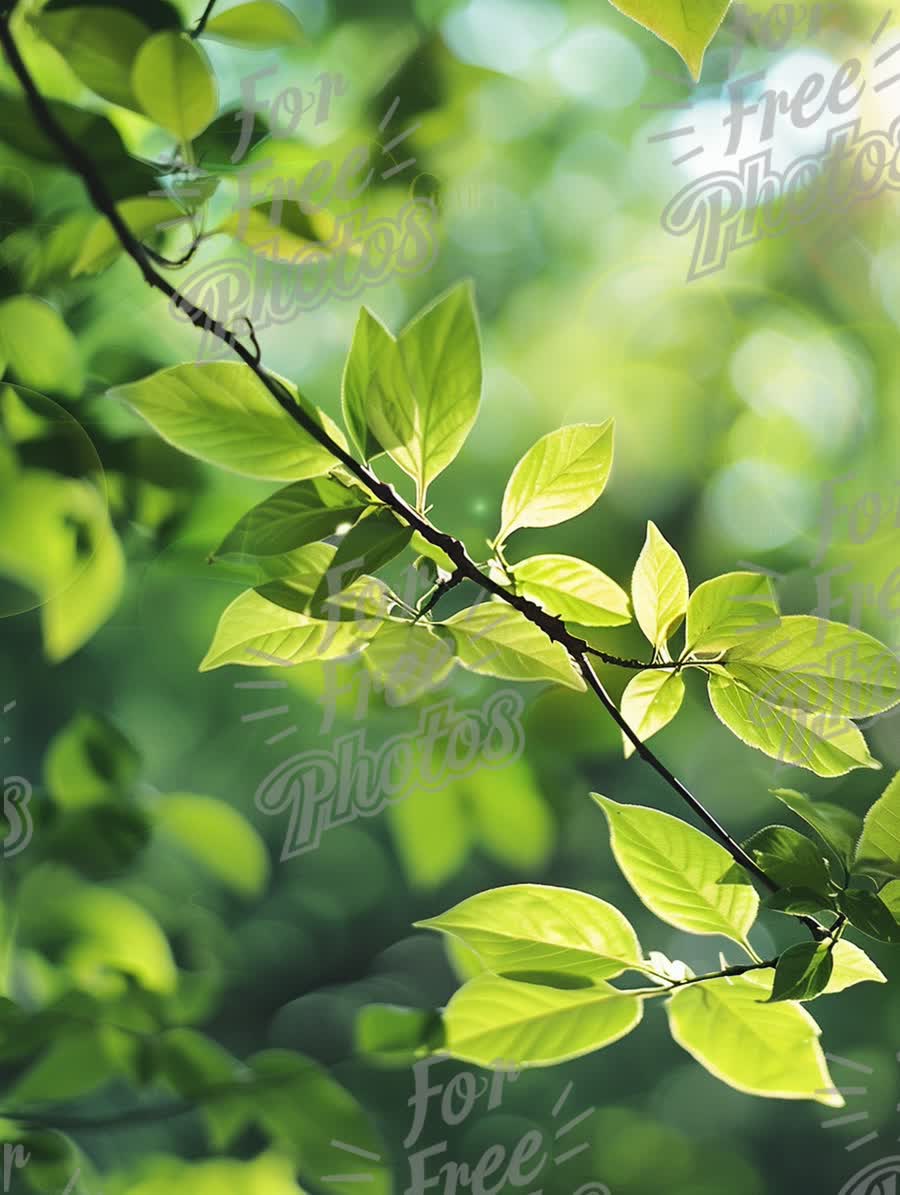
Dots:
pixel 464 566
pixel 201 24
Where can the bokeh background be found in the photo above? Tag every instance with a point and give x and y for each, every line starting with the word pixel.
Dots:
pixel 742 400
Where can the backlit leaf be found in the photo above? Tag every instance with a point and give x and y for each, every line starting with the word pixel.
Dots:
pixel 659 588
pixel 650 701
pixel 174 84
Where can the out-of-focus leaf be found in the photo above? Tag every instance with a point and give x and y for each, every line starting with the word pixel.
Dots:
pixel 100 45
pixel 90 761
pixel 223 841
pixel 261 24
pixel 174 84
pixel 37 345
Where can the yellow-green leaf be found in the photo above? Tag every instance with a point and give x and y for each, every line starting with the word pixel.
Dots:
pixel 764 1049
pixel 826 745
pixel 878 850
pixel 142 214
pixel 100 44
pixel 721 611
pixel 650 701
pixel 36 343
pixel 491 1020
pixel 497 640
pixel 221 413
pixel 174 84
pixel 659 588
pixel 573 590
pixel 218 836
pixel 559 477
pixel 536 927
pixel 688 27
pixel 679 873
pixel 260 24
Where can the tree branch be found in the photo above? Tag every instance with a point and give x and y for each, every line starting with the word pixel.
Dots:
pixel 464 566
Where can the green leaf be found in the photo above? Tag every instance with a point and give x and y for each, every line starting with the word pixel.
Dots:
pixel 681 875
pixel 659 588
pixel 809 663
pixel 143 215
pixel 790 860
pixel 493 1020
pixel 721 611
pixel 201 1071
pixel 406 660
pixel 802 972
pixel 432 553
pixel 369 545
pixel 293 517
pixel 489 795
pixel 100 45
pixel 573 590
pixel 559 477
pixel 878 849
pixel 536 927
pixel 256 633
pixel 425 393
pixel 868 913
pixel 432 834
pixel 497 640
pixel 391 1035
pixel 838 828
pixel 280 232
pixel 688 27
pixel 221 413
pixel 828 747
pixel 218 837
pixel 38 347
pixel 74 1065
pixel 851 966
pixel 650 701
pixel 308 1114
pixel 115 932
pixel 174 84
pixel 798 902
pixel 260 24
pixel 88 762
pixel 763 1049
pixel 372 346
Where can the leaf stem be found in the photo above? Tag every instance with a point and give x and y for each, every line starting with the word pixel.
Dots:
pixel 465 566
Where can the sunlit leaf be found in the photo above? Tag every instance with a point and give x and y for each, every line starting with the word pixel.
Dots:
pixel 497 640
pixel 493 1020
pixel 491 793
pixel 721 611
pixel 659 588
pixel 878 849
pixel 427 387
pixel 573 590
pixel 687 27
pixel 763 1049
pixel 679 873
pixel 372 343
pixel 809 663
pixel 851 966
pixel 221 413
pixel 256 633
pixel 536 927
pixel 650 701
pixel 826 745
pixel 560 476
pixel 407 660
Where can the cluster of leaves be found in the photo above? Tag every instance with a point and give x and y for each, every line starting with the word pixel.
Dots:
pixel 106 994
pixel 772 680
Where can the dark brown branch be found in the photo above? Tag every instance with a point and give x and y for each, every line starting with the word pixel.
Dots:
pixel 201 24
pixel 464 566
